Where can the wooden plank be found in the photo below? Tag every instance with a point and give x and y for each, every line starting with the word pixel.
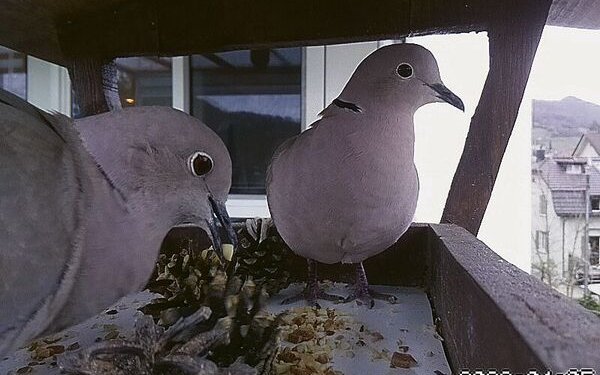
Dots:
pixel 495 316
pixel 512 45
pixel 178 28
pixel 110 28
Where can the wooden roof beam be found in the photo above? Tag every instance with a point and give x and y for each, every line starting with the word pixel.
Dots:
pixel 512 47
pixel 159 28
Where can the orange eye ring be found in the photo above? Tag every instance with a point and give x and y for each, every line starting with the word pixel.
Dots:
pixel 200 163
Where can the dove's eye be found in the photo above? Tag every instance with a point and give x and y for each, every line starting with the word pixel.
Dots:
pixel 404 70
pixel 200 163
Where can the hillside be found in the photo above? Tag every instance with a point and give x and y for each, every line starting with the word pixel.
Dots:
pixel 569 117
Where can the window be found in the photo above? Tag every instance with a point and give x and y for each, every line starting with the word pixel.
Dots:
pixel 574 169
pixel 595 203
pixel 543 204
pixel 541 240
pixel 252 100
pixel 13 72
pixel 594 249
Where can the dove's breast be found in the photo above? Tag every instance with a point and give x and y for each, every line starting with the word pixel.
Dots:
pixel 344 195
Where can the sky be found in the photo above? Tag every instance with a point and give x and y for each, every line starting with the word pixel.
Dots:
pixel 567 63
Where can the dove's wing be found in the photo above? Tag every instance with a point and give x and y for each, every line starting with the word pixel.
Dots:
pixel 41 205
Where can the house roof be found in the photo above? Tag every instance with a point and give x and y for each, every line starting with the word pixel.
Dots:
pixel 592 138
pixel 58 31
pixel 568 189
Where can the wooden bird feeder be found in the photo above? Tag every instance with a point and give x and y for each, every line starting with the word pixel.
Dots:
pixel 492 314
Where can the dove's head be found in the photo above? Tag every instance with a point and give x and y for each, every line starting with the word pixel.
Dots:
pixel 167 166
pixel 399 74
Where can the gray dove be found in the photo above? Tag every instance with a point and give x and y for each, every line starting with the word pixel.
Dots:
pixel 85 205
pixel 346 189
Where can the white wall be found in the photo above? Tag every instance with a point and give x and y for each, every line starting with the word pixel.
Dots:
pixel 48 86
pixel 588 151
pixel 181 83
pixel 553 224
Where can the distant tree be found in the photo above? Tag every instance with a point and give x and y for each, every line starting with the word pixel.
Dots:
pixel 545 267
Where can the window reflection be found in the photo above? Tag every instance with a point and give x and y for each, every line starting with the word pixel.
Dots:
pixel 145 81
pixel 252 99
pixel 13 72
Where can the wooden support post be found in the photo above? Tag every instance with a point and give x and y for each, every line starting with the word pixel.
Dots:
pixel 513 41
pixel 95 85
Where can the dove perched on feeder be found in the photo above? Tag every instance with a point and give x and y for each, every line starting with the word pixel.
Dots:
pixel 85 205
pixel 346 189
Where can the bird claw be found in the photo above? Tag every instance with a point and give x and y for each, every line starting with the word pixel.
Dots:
pixel 312 295
pixel 368 297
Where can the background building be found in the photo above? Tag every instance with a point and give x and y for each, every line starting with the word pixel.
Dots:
pixel 559 218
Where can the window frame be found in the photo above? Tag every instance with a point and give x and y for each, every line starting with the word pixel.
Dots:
pixel 543 205
pixel 592 250
pixel 244 199
pixel 542 237
pixel 595 198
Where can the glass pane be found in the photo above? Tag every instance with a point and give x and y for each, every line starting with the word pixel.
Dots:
pixel 13 72
pixel 253 100
pixel 145 81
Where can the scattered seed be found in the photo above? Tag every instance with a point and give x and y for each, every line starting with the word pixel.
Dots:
pixel 322 358
pixel 51 340
pixel 56 349
pixel 376 336
pixel 288 356
pixel 110 327
pixel 301 334
pixel 402 360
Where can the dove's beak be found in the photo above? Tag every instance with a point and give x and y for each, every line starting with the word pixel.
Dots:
pixel 444 93
pixel 223 236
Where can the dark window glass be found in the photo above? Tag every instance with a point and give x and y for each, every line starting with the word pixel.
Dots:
pixel 145 81
pixel 595 202
pixel 253 100
pixel 13 72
